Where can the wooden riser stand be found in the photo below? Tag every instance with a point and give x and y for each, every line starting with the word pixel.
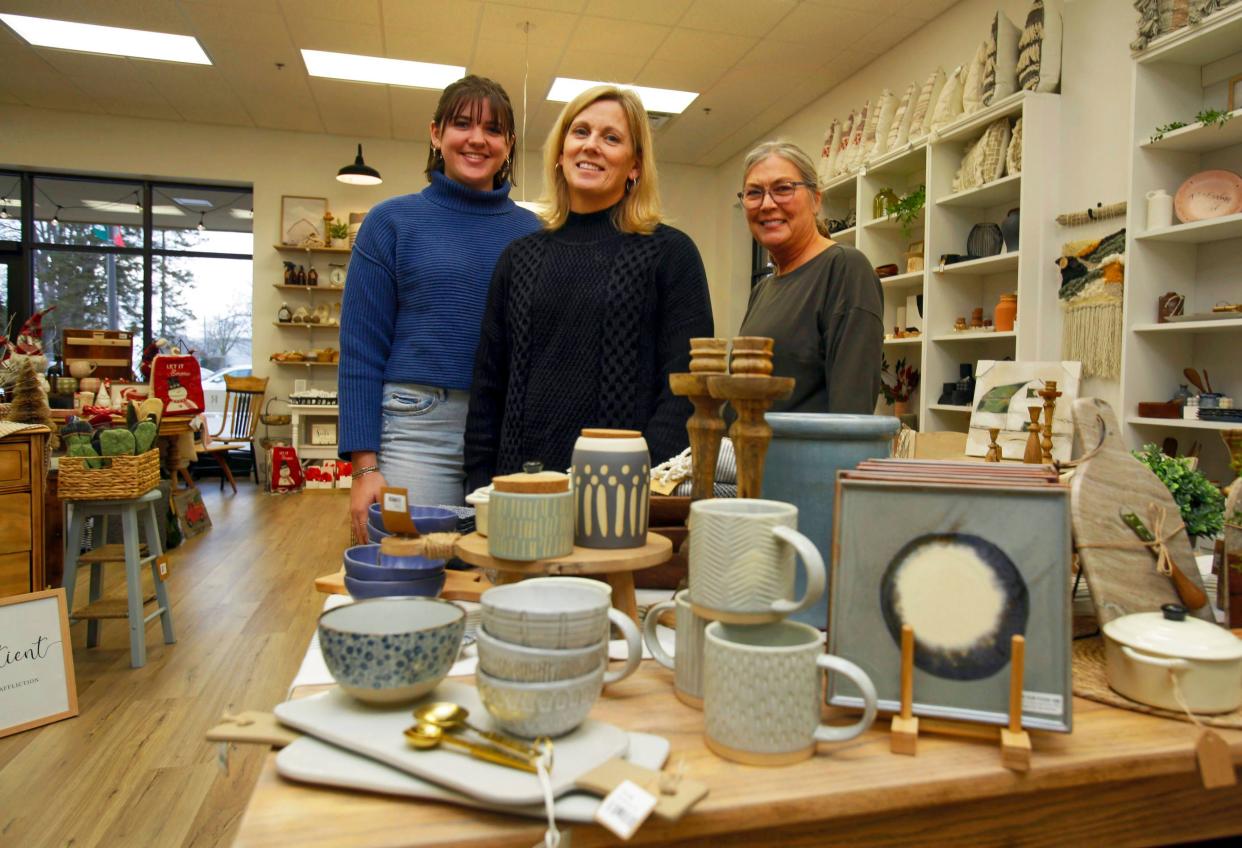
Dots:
pixel 1014 741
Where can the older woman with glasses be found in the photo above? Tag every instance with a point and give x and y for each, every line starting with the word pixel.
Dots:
pixel 824 305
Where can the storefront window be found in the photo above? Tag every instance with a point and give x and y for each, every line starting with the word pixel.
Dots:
pixel 87 214
pixel 90 290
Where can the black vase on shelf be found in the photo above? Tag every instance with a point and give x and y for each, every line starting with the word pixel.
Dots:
pixel 984 240
pixel 946 393
pixel 1010 229
pixel 964 389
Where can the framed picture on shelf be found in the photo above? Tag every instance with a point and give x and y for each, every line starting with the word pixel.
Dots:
pixel 323 434
pixel 302 218
pixel 1235 92
pixel 967 576
pixel 37 686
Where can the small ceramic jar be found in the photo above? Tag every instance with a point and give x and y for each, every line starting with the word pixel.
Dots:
pixel 612 489
pixel 530 515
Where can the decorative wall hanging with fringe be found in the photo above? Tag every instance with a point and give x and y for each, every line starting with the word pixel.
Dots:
pixel 1091 295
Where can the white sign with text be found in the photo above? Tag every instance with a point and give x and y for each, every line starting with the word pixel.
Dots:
pixel 36 662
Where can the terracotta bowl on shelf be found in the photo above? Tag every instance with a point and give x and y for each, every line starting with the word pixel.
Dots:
pixel 1208 194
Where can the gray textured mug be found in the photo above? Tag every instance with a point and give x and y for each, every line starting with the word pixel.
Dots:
pixel 762 692
pixel 687 662
pixel 742 560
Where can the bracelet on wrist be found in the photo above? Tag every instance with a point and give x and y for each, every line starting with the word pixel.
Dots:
pixel 364 471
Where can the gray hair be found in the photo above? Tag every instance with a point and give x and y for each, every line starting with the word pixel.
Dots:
pixel 794 155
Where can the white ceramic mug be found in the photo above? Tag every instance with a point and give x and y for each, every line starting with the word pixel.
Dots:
pixel 81 367
pixel 742 560
pixel 762 692
pixel 687 663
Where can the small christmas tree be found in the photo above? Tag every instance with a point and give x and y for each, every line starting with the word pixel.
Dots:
pixel 29 404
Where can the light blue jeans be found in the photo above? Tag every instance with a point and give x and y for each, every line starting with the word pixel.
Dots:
pixel 421 443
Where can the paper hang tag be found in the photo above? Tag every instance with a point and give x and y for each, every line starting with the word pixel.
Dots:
pixel 625 809
pixel 252 726
pixel 162 567
pixel 395 503
pixel 666 485
pixel 1215 762
pixel 673 797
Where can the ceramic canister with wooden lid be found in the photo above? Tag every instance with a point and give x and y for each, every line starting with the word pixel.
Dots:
pixel 612 489
pixel 530 515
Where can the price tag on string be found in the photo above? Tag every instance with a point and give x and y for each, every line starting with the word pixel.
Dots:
pixel 625 809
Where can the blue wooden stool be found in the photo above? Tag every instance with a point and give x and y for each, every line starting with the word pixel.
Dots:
pixel 132 554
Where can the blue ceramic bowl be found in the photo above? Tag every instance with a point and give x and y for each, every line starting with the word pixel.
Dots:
pixel 362 562
pixel 390 650
pixel 428 519
pixel 424 587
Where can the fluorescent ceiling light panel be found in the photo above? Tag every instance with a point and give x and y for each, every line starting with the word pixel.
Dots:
pixel 354 68
pixel 128 208
pixel 244 214
pixel 113 41
pixel 668 100
pixel 192 201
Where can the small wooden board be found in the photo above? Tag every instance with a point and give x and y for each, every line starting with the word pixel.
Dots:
pixel 472 548
pixel 1122 581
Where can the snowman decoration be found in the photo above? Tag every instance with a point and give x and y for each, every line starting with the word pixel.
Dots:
pixel 179 398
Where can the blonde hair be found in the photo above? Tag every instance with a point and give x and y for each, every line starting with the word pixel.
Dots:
pixel 794 155
pixel 639 210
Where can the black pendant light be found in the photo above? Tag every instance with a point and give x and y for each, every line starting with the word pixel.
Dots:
pixel 359 173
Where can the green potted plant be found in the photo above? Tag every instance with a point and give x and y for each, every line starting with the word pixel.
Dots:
pixel 1201 504
pixel 338 231
pixel 898 384
pixel 908 207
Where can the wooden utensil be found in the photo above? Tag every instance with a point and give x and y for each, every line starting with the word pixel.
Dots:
pixel 1193 376
pixel 1207 381
pixel 1121 575
pixel 1192 596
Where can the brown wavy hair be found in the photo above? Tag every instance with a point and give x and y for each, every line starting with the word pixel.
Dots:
pixel 467 96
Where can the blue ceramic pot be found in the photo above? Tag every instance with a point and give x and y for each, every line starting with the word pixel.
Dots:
pixel 806 452
pixel 362 562
pixel 427 519
pixel 424 587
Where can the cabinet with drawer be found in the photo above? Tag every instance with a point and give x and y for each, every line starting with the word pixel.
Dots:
pixel 21 512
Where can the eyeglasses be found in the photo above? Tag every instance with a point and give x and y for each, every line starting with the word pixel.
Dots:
pixel 752 196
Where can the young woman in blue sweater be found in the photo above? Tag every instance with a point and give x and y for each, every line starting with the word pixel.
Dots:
pixel 413 304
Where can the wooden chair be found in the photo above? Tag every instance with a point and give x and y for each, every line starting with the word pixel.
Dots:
pixel 243 402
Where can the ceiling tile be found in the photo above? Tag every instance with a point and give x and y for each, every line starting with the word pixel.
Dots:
pixel 648 11
pixel 277 112
pixel 412 110
pixel 891 33
pixel 548 29
pixel 878 8
pixel 505 63
pixel 741 17
pixel 354 11
pixel 50 89
pixel 5 97
pixel 199 94
pixel 421 46
pixel 686 76
pixel 791 61
pixel 18 58
pixel 353 109
pixel 626 38
pixel 571 6
pixel 711 49
pixel 337 36
pixel 216 26
pixel 593 65
pixel 152 15
pixel 828 29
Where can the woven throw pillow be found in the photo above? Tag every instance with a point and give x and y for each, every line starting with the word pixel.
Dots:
pixel 843 148
pixel 1039 48
pixel 928 94
pixel 828 155
pixel 1013 158
pixel 993 146
pixel 883 122
pixel 949 106
pixel 967 175
pixel 1000 72
pixel 899 133
pixel 856 143
pixel 972 86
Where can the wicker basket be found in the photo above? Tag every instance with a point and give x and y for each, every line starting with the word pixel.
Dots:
pixel 122 478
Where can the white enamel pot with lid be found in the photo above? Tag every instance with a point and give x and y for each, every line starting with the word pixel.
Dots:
pixel 1145 651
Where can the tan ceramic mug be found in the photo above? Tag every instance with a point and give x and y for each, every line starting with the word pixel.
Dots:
pixel 687 663
pixel 763 692
pixel 742 560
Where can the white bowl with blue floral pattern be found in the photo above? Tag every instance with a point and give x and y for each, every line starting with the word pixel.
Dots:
pixel 389 650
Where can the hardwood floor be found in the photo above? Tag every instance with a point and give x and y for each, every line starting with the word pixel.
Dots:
pixel 133 768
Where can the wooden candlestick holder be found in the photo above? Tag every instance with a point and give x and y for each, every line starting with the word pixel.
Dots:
pixel 750 389
pixel 994 448
pixel 1015 743
pixel 706 427
pixel 1050 394
pixel 1033 454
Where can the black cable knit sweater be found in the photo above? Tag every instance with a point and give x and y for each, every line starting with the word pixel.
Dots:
pixel 582 328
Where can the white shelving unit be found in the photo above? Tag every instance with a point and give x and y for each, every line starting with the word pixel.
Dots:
pixel 954 290
pixel 1174 78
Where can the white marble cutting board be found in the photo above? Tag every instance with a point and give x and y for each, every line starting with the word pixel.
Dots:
pixel 311 761
pixel 377 732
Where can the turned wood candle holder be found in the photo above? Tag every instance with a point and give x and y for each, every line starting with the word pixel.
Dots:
pixel 706 426
pixel 1033 455
pixel 1050 394
pixel 750 389
pixel 994 448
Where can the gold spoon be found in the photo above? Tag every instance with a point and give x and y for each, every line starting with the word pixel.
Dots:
pixel 425 736
pixel 450 716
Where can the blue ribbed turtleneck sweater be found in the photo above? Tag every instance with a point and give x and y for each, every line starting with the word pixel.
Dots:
pixel 415 294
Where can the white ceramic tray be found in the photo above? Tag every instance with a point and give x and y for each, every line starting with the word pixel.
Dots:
pixel 311 761
pixel 377 733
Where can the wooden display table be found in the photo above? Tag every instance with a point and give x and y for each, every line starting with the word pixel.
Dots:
pixel 616 565
pixel 1121 778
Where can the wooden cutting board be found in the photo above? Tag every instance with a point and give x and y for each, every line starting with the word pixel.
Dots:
pixel 1121 581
